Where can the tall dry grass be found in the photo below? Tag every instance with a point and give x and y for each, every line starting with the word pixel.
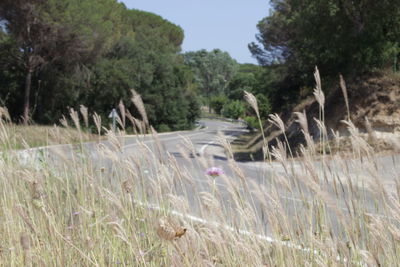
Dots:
pixel 107 205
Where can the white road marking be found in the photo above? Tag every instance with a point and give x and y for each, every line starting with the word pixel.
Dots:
pixel 203 148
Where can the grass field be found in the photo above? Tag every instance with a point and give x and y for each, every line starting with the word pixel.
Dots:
pixel 21 136
pixel 137 211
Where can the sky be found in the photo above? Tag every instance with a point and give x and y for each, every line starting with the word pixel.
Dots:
pixel 229 25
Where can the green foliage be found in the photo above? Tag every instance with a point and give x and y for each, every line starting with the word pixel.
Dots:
pixel 348 37
pixel 218 102
pixel 245 79
pixel 114 50
pixel 10 72
pixel 212 70
pixel 252 122
pixel 234 109
pixel 163 128
pixel 250 78
pixel 264 105
pixel 337 36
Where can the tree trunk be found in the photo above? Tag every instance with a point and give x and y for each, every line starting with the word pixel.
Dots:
pixel 209 101
pixel 28 82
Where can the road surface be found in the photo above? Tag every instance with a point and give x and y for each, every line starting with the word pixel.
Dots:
pixel 194 151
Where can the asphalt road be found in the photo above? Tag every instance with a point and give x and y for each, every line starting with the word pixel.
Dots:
pixel 204 146
pixel 195 151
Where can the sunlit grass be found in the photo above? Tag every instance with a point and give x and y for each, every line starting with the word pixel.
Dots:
pixel 25 136
pixel 144 208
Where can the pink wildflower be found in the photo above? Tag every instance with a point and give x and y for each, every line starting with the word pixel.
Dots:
pixel 214 171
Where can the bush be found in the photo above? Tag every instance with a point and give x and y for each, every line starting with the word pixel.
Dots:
pixel 264 105
pixel 233 109
pixel 163 128
pixel 218 102
pixel 252 123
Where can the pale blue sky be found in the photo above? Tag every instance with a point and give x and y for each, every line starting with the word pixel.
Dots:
pixel 225 24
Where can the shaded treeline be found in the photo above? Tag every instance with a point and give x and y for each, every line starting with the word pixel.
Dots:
pixel 58 54
pixel 338 36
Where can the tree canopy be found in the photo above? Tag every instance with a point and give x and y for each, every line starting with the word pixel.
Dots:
pixel 59 54
pixel 338 36
pixel 212 70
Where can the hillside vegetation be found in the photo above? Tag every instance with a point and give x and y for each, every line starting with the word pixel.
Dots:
pixel 374 106
pixel 345 37
pixel 351 42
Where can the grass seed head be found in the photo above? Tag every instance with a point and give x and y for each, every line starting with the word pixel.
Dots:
pixel 252 100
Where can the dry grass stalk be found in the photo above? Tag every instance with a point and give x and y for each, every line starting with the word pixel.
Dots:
pixel 97 122
pixel 85 115
pixel 345 95
pixel 302 120
pixel 132 120
pixel 75 118
pixel 277 121
pixel 288 214
pixel 252 100
pixel 138 125
pixel 122 110
pixel 64 122
pixel 370 131
pixel 226 145
pixel 321 128
pixel 318 93
pixel 4 115
pixel 26 248
pixel 138 102
pixel 279 152
pixel 120 123
pixel 22 213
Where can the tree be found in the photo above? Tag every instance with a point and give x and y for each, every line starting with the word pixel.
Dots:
pixel 338 36
pixel 65 53
pixel 234 109
pixel 217 103
pixel 146 58
pixel 38 42
pixel 245 79
pixel 212 70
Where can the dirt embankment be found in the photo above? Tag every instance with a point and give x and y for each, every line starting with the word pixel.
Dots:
pixel 375 96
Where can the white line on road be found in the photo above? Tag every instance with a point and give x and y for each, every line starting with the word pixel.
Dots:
pixel 203 148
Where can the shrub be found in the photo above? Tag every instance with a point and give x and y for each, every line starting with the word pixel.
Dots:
pixel 233 109
pixel 218 102
pixel 252 123
pixel 264 105
pixel 163 128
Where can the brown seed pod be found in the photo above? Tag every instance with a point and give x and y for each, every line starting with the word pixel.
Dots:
pixel 180 232
pixel 165 230
pixel 127 186
pixel 168 231
pixel 37 190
